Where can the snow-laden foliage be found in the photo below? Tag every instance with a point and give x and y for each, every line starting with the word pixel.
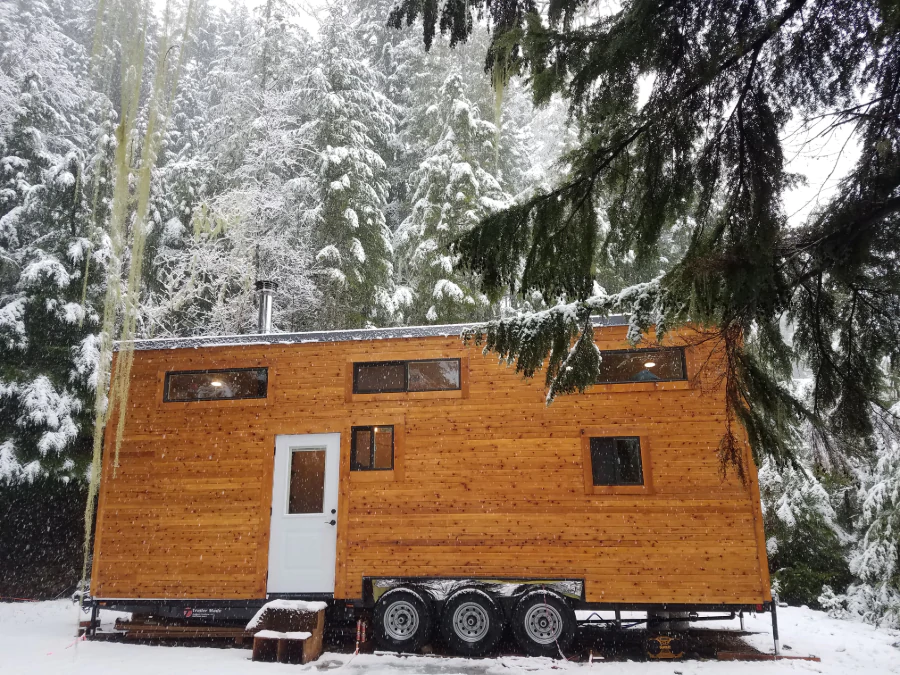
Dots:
pixel 454 187
pixel 50 266
pixel 874 594
pixel 351 123
pixel 282 156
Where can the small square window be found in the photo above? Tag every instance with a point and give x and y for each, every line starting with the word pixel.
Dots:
pixel 616 461
pixel 372 448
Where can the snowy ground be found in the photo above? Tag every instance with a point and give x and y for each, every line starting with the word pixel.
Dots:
pixel 37 639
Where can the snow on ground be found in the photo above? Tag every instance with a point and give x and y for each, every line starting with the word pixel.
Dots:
pixel 38 639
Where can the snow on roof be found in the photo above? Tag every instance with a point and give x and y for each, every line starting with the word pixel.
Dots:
pixel 406 332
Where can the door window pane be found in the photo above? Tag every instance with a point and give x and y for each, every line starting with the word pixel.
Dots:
pixel 616 461
pixel 207 385
pixel 372 448
pixel 437 375
pixel 642 365
pixel 307 489
pixel 376 378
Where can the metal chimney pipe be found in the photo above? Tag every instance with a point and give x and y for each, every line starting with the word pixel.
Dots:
pixel 266 292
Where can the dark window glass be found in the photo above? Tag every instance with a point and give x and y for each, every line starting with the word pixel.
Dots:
pixel 307 488
pixel 438 375
pixel 642 365
pixel 616 461
pixel 377 378
pixel 209 385
pixel 398 376
pixel 372 448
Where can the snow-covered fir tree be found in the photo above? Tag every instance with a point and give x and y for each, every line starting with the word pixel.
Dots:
pixel 453 188
pixel 236 208
pixel 51 274
pixel 353 122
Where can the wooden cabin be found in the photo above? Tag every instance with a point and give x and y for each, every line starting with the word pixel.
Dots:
pixel 360 466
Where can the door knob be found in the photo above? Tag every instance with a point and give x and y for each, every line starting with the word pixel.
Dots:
pixel 332 522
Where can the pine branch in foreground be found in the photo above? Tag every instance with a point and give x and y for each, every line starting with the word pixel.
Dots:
pixel 683 108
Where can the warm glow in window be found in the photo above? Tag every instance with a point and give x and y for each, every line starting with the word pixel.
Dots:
pixel 210 385
pixel 372 448
pixel 642 365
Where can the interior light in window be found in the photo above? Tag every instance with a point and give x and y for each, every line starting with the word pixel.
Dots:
pixel 649 364
pixel 216 383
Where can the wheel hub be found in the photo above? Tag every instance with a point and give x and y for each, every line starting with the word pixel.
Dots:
pixel 471 622
pixel 543 624
pixel 401 620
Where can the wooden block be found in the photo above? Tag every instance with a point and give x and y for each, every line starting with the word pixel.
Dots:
pixel 756 656
pixel 264 649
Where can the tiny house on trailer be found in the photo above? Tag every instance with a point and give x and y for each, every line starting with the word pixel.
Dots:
pixel 407 477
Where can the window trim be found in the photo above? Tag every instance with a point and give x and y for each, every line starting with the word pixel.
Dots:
pixel 617 465
pixel 405 362
pixel 355 466
pixel 287 489
pixel 168 373
pixel 381 475
pixel 463 392
pixel 623 431
pixel 684 375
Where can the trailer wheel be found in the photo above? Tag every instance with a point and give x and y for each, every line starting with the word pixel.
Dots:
pixel 402 620
pixel 543 624
pixel 471 622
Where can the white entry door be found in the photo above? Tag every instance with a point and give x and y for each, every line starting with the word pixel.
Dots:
pixel 303 539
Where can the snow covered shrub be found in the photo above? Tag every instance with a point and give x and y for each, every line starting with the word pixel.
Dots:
pixel 806 545
pixel 875 560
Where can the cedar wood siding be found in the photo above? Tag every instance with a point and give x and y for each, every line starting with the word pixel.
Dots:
pixel 488 481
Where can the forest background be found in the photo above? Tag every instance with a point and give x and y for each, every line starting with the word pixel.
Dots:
pixel 339 163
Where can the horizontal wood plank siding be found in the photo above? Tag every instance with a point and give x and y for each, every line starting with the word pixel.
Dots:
pixel 492 482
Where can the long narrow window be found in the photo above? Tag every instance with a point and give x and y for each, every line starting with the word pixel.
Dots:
pixel 216 385
pixel 401 376
pixel 642 365
pixel 616 461
pixel 372 448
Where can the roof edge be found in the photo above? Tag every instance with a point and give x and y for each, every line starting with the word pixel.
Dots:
pixel 356 334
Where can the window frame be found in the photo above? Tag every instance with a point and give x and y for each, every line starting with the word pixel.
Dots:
pixel 680 349
pixel 623 431
pixel 168 373
pixel 614 439
pixel 354 465
pixel 406 390
pixel 287 490
pixel 358 364
pixel 376 420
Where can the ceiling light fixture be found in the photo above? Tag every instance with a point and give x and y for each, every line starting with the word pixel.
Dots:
pixel 216 383
pixel 649 364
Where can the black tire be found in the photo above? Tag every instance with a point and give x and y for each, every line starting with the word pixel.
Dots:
pixel 402 620
pixel 543 624
pixel 471 623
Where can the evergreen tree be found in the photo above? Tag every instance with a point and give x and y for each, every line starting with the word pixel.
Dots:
pixel 236 206
pixel 874 560
pixel 48 310
pixel 703 151
pixel 453 188
pixel 352 121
